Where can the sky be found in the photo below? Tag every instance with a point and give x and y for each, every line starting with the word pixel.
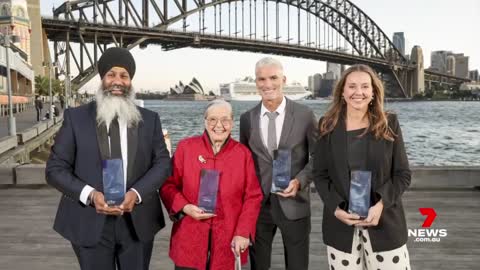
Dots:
pixel 431 24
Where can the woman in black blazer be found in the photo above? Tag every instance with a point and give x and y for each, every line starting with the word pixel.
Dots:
pixel 357 135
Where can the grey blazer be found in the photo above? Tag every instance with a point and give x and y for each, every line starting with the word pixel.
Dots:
pixel 299 134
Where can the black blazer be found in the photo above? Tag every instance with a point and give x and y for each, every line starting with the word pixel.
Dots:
pixel 390 178
pixel 75 161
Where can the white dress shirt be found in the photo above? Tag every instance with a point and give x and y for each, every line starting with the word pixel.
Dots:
pixel 278 121
pixel 84 195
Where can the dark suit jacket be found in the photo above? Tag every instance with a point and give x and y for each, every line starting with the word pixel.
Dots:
pixel 298 135
pixel 75 161
pixel 390 178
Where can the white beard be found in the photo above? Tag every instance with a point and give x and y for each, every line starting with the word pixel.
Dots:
pixel 110 106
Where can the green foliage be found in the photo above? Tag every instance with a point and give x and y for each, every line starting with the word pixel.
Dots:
pixel 74 88
pixel 465 94
pixel 58 87
pixel 429 93
pixel 42 86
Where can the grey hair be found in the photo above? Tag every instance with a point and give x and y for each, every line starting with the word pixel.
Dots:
pixel 218 103
pixel 109 106
pixel 268 61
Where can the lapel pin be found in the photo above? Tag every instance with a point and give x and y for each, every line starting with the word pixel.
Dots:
pixel 201 159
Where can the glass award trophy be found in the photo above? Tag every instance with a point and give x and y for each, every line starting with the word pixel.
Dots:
pixel 113 183
pixel 360 185
pixel 282 162
pixel 207 195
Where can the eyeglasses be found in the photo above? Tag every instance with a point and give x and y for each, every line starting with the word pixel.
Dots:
pixel 213 121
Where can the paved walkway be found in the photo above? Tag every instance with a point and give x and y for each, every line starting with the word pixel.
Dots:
pixel 28 241
pixel 24 120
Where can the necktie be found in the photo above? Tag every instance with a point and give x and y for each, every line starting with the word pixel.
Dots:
pixel 114 134
pixel 272 132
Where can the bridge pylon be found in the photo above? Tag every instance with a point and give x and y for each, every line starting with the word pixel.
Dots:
pixel 417 75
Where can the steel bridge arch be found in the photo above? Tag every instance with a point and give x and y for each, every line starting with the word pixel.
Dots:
pixel 347 19
pixel 370 31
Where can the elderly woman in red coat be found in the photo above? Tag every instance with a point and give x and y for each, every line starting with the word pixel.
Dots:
pixel 202 240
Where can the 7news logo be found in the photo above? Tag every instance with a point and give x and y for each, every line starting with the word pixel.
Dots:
pixel 427 234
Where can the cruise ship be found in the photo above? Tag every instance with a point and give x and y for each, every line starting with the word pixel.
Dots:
pixel 246 90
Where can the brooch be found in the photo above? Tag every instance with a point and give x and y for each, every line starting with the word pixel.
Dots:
pixel 201 159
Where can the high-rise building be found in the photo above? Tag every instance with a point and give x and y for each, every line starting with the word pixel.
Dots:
pixel 438 60
pixel 326 88
pixel 335 69
pixel 399 41
pixel 14 20
pixel 310 83
pixel 329 75
pixel 449 63
pixel 461 65
pixel 329 79
pixel 314 82
pixel 450 69
pixel 322 85
pixel 474 75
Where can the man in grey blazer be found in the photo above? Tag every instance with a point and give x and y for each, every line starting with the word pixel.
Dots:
pixel 280 123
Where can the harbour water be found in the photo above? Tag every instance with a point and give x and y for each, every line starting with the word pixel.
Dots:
pixel 443 133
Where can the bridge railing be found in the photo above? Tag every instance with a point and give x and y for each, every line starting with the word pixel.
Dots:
pixel 18 148
pixel 430 178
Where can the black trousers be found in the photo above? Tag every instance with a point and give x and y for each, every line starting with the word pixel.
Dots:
pixel 295 236
pixel 39 113
pixel 118 248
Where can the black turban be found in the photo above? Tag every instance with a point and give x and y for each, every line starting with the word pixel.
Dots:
pixel 116 57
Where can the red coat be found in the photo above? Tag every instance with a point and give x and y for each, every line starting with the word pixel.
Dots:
pixel 238 202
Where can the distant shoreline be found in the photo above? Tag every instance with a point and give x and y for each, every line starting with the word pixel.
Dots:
pixel 387 100
pixel 423 100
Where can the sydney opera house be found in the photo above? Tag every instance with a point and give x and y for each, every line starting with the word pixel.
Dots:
pixel 191 91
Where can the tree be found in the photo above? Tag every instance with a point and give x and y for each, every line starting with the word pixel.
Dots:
pixel 41 85
pixel 74 88
pixel 429 93
pixel 58 87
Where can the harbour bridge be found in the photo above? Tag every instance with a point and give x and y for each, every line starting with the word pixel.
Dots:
pixel 336 31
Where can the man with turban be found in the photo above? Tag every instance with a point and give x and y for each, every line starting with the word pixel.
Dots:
pixel 103 235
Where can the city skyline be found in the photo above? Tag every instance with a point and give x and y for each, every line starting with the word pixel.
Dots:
pixel 424 26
